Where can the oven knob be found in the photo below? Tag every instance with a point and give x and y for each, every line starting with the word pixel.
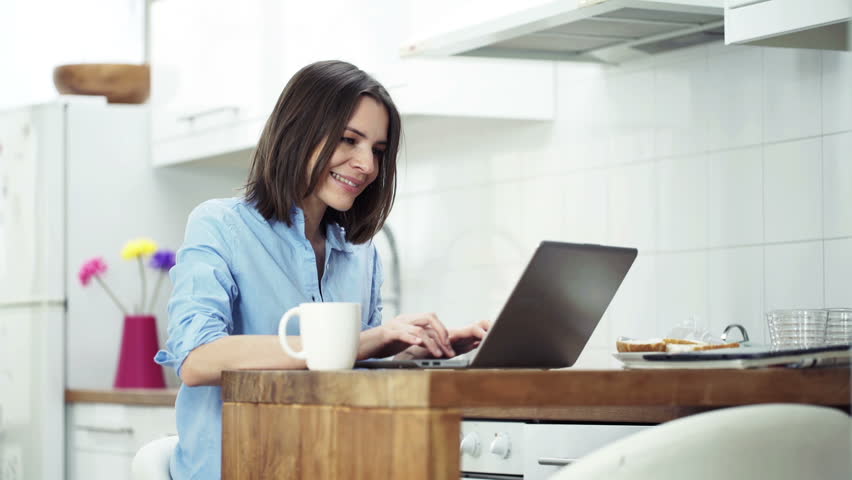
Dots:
pixel 501 446
pixel 470 444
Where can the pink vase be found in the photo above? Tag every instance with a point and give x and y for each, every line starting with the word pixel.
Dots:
pixel 136 366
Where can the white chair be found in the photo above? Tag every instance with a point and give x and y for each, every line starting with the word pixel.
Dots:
pixel 151 462
pixel 777 441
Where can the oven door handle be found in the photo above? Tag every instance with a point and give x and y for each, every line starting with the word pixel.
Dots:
pixel 556 461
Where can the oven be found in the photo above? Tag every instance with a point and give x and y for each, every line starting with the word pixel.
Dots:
pixel 504 450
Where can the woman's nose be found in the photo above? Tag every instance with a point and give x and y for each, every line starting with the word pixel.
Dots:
pixel 365 160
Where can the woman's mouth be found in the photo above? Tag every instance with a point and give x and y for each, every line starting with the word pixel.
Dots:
pixel 346 183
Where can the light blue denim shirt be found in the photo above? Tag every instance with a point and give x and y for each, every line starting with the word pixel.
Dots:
pixel 237 273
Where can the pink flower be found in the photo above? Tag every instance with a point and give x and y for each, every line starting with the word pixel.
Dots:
pixel 92 268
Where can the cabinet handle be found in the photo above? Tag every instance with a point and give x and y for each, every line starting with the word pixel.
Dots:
pixel 555 461
pixel 192 116
pixel 87 428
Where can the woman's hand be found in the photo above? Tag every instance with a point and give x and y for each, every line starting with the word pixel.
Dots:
pixel 422 330
pixel 462 340
pixel 467 338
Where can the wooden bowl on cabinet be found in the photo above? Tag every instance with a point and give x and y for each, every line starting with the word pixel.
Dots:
pixel 119 82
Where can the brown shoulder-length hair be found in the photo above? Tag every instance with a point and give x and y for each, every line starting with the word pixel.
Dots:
pixel 313 108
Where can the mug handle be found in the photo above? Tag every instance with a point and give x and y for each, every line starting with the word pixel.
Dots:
pixel 282 333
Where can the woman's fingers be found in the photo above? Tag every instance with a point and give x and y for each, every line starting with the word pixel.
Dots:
pixel 433 347
pixel 443 344
pixel 440 328
pixel 437 331
pixel 415 335
pixel 478 332
pixel 428 330
pixel 437 348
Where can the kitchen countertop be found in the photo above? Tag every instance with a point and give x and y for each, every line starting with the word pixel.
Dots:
pixel 606 395
pixel 135 396
pixel 406 423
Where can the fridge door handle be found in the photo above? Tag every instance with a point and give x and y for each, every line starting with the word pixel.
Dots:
pixel 33 302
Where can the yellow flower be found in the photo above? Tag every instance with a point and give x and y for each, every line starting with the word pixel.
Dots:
pixel 137 248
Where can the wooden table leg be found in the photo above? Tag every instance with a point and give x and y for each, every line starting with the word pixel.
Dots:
pixel 262 441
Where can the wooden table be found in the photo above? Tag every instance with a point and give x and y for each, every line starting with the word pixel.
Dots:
pixel 124 396
pixel 392 424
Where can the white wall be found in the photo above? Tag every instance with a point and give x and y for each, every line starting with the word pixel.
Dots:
pixel 730 168
pixel 38 35
pixel 115 196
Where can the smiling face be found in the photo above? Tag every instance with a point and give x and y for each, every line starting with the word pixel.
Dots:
pixel 334 118
pixel 356 160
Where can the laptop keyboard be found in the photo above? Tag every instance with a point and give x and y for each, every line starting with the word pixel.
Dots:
pixel 468 356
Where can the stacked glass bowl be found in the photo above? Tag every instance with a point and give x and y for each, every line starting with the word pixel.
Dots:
pixel 803 328
pixel 838 328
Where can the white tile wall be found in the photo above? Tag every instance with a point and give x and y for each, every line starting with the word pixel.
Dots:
pixel 735 289
pixel 681 107
pixel 836 94
pixel 586 197
pixel 837 184
pixel 630 97
pixel 632 206
pixel 735 99
pixel 633 312
pixel 735 197
pixel 791 86
pixel 838 270
pixel 730 168
pixel 682 203
pixel 794 275
pixel 542 211
pixel 792 190
pixel 681 288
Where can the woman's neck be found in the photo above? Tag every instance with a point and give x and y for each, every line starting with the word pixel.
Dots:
pixel 314 210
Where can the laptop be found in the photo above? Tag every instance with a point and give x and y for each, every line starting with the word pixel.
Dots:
pixel 549 316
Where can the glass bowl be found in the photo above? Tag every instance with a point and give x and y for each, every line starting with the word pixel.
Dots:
pixel 797 328
pixel 838 330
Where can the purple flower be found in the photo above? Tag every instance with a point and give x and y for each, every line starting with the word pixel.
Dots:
pixel 163 260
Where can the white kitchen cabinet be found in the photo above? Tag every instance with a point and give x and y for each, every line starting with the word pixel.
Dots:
pixel 208 63
pixel 218 67
pixel 471 87
pixel 549 447
pixel 823 24
pixel 103 438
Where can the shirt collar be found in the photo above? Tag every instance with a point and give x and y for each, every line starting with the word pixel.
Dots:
pixel 335 236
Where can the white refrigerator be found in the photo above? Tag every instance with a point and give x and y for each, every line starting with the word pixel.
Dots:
pixel 76 182
pixel 32 292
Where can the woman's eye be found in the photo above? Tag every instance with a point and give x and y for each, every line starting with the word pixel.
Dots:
pixel 350 141
pixel 378 153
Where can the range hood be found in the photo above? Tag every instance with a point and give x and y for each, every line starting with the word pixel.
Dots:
pixel 608 31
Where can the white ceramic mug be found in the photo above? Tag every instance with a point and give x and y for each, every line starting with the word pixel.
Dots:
pixel 330 333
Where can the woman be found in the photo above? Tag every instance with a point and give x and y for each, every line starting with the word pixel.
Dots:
pixel 322 183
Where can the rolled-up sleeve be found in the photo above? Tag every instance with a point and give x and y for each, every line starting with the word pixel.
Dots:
pixel 375 318
pixel 203 286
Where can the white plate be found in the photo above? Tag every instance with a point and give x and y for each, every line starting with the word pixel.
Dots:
pixel 632 359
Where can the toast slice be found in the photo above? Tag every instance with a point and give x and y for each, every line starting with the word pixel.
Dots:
pixel 697 347
pixel 714 347
pixel 653 345
pixel 680 341
pixel 668 345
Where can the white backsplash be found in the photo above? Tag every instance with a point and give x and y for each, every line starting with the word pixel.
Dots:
pixel 730 168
